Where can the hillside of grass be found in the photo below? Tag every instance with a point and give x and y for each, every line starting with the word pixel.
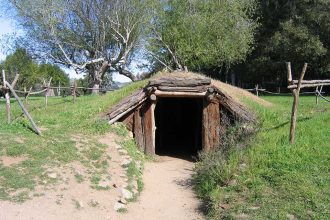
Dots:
pixel 70 134
pixel 271 179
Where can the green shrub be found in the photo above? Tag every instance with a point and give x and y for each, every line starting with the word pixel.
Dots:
pixel 217 168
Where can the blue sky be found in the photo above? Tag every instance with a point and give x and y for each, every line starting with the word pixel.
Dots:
pixel 7 26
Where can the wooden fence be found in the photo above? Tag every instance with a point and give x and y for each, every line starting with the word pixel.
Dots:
pixel 8 89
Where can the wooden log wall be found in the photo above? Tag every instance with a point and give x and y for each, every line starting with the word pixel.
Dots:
pixel 211 124
pixel 138 129
pixel 148 122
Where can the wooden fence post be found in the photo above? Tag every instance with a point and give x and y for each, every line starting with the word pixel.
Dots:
pixel 7 96
pixel 74 93
pixel 317 95
pixel 47 85
pixel 59 89
pixel 36 129
pixel 257 90
pixel 27 94
pixel 295 93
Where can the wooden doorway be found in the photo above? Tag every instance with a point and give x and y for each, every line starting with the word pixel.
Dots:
pixel 178 124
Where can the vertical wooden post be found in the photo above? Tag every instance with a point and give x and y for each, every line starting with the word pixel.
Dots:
pixel 257 90
pixel 7 96
pixel 149 129
pixel 138 129
pixel 27 94
pixel 295 93
pixel 59 89
pixel 74 88
pixel 317 95
pixel 211 124
pixel 153 124
pixel 46 97
pixel 288 66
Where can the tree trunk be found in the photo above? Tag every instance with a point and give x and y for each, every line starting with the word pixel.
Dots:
pixel 96 88
pixel 96 81
pixel 97 74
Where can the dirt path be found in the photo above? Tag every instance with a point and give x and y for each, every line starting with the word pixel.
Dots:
pixel 167 193
pixel 69 200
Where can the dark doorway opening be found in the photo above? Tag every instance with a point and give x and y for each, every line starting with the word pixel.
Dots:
pixel 179 127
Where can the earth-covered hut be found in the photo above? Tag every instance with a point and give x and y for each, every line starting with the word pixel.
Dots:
pixel 180 112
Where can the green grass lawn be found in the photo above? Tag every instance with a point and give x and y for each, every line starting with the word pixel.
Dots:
pixel 69 133
pixel 272 179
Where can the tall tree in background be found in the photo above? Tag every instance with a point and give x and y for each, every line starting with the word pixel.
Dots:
pixel 297 31
pixel 30 72
pixel 93 36
pixel 201 35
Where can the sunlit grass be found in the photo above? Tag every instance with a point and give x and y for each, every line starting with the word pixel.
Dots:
pixel 64 126
pixel 272 179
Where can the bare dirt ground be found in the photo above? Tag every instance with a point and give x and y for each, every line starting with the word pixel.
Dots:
pixel 68 199
pixel 167 194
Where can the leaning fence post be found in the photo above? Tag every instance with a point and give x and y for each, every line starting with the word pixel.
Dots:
pixel 7 96
pixel 35 127
pixel 27 94
pixel 295 93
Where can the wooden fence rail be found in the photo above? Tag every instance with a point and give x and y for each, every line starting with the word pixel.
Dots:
pixel 9 88
pixel 295 86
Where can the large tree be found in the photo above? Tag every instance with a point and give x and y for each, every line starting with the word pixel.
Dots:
pixel 93 36
pixel 297 31
pixel 201 35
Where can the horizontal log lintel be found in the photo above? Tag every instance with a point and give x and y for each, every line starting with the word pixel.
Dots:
pixel 179 94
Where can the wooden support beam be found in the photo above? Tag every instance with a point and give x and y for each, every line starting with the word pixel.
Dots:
pixel 180 94
pixel 210 97
pixel 182 89
pixel 113 120
pixel 149 129
pixel 138 129
pixel 153 97
pixel 211 124
pixel 210 90
pixel 180 82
